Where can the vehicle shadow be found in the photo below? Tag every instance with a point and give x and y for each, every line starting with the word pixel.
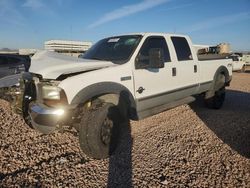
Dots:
pixel 120 162
pixel 231 123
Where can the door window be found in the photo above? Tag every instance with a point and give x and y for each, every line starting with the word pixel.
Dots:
pixel 142 59
pixel 182 48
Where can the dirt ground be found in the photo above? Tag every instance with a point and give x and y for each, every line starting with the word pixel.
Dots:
pixel 189 146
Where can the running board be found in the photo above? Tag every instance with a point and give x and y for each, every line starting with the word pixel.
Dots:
pixel 158 109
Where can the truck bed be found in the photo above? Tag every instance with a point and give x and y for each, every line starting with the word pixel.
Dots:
pixel 205 57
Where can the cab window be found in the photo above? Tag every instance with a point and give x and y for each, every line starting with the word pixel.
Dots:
pixel 182 48
pixel 142 59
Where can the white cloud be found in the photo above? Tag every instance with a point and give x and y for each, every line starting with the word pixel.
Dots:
pixel 127 10
pixel 218 21
pixel 178 7
pixel 33 4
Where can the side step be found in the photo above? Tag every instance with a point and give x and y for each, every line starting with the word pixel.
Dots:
pixel 158 109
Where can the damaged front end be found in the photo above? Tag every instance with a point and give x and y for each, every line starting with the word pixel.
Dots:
pixel 42 103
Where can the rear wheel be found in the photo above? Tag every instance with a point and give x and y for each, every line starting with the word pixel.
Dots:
pixel 217 100
pixel 243 69
pixel 99 131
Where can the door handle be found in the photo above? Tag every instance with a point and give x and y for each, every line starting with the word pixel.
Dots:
pixel 195 68
pixel 140 90
pixel 174 71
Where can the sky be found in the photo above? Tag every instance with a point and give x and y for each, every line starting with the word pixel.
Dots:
pixel 29 23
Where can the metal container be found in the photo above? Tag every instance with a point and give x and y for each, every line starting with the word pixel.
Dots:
pixel 224 48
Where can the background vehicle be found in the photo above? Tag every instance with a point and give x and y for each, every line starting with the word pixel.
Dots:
pixel 238 63
pixel 246 58
pixel 122 77
pixel 11 66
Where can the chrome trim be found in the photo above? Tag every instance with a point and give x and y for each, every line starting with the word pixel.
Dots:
pixel 45 119
pixel 168 92
pixel 45 111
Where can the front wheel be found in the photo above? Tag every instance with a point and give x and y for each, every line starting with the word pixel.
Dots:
pixel 26 114
pixel 99 131
pixel 217 100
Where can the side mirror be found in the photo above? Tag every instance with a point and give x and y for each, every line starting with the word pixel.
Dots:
pixel 156 59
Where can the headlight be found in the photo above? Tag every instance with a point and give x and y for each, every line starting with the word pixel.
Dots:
pixel 51 92
pixel 53 96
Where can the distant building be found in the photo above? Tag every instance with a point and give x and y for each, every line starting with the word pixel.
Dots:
pixel 27 51
pixel 8 51
pixel 72 48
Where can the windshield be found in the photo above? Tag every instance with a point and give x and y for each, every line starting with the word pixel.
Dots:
pixel 116 49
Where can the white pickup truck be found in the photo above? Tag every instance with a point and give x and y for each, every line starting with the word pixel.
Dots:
pixel 238 64
pixel 121 77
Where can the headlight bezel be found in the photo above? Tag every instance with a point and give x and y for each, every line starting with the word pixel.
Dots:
pixel 54 96
pixel 51 92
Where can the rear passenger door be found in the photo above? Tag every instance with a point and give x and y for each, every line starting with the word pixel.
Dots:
pixel 186 70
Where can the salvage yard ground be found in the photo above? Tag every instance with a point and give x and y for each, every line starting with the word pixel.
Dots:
pixel 186 146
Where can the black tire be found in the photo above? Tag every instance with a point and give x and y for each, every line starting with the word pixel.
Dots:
pixel 26 115
pixel 217 100
pixel 243 69
pixel 99 131
pixel 27 99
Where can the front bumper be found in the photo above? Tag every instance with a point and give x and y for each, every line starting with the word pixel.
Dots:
pixel 46 119
pixel 37 115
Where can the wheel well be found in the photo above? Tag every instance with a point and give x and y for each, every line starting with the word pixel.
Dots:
pixel 109 98
pixel 215 86
pixel 109 92
pixel 123 103
pixel 222 70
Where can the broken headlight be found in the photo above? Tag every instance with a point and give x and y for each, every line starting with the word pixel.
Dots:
pixel 53 96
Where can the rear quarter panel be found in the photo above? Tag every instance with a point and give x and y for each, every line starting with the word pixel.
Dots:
pixel 208 68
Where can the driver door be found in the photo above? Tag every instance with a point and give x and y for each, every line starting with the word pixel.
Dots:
pixel 152 84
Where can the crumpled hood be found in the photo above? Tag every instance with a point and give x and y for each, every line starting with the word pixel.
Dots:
pixel 51 64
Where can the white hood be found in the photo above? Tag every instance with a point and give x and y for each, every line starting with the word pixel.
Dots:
pixel 51 64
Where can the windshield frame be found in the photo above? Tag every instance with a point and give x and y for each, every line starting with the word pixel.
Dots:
pixel 120 62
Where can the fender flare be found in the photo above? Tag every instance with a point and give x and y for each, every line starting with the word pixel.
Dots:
pixel 102 88
pixel 222 69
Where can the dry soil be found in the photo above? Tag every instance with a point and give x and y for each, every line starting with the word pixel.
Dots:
pixel 189 146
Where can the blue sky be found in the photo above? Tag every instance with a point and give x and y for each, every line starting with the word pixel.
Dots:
pixel 28 23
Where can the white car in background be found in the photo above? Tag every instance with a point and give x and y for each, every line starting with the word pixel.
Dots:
pixel 238 63
pixel 246 58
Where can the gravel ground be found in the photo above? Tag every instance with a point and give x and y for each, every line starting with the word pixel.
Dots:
pixel 189 146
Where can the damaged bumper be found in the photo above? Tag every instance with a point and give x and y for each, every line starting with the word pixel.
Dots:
pixel 46 120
